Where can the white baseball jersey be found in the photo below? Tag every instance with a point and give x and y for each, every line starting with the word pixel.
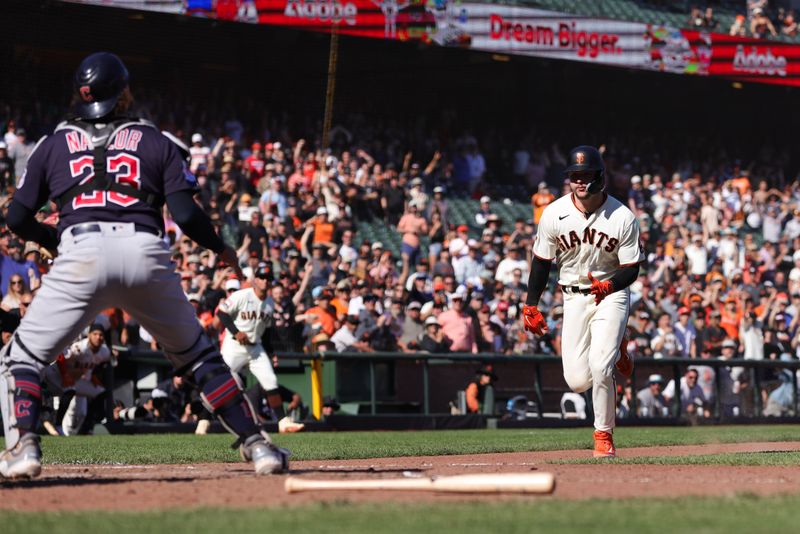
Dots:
pixel 81 360
pixel 599 243
pixel 250 314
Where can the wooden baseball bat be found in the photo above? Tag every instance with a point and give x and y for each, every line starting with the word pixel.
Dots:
pixel 479 483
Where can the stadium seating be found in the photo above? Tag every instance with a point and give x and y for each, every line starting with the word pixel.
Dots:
pixel 460 211
pixel 639 11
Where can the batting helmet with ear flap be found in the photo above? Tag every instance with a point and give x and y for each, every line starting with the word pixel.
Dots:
pixel 587 158
pixel 99 81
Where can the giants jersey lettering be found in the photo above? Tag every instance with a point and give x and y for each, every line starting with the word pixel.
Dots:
pixel 600 243
pixel 138 155
pixel 250 315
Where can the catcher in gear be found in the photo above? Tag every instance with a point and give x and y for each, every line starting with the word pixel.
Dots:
pixel 110 174
pixel 594 240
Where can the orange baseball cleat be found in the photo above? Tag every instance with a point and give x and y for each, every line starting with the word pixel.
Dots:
pixel 604 445
pixel 625 363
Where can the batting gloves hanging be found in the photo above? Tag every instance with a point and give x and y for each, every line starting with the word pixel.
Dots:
pixel 600 289
pixel 533 320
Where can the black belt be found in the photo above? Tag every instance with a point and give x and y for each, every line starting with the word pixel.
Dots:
pixel 575 289
pixel 94 227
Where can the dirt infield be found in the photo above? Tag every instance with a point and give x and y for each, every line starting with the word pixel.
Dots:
pixel 130 487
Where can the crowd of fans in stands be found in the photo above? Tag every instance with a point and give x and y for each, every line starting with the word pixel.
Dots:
pixel 722 278
pixel 759 20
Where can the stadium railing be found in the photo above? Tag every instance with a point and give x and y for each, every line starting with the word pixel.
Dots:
pixel 541 383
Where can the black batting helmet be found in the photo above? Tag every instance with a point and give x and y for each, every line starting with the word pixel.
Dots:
pixel 588 158
pixel 99 81
pixel 264 270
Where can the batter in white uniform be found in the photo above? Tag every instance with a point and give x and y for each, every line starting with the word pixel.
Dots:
pixel 247 317
pixel 594 239
pixel 71 375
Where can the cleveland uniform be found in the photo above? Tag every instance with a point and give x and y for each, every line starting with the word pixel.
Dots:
pixel 253 317
pixel 110 176
pixel 599 243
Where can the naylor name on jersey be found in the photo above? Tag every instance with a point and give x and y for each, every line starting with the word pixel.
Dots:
pixel 591 236
pixel 126 139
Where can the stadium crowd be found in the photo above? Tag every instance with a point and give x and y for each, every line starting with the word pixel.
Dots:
pixel 722 239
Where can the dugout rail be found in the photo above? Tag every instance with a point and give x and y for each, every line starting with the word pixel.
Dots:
pixel 540 376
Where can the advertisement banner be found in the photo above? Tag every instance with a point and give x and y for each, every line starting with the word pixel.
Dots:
pixel 513 30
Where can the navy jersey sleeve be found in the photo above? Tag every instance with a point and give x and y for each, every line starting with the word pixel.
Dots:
pixel 176 173
pixel 32 191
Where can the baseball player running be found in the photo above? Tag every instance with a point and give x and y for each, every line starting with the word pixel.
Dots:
pixel 72 376
pixel 247 317
pixel 595 241
pixel 109 175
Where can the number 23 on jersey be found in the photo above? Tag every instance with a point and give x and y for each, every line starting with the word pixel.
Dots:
pixel 124 168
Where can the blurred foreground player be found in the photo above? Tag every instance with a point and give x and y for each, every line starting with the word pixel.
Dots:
pixel 595 241
pixel 110 175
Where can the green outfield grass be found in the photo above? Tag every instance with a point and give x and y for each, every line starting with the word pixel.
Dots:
pixel 696 515
pixel 188 448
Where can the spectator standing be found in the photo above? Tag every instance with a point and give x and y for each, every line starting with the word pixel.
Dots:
pixel 19 152
pixel 760 25
pixel 665 343
pixel 697 255
pixel 436 235
pixel 540 200
pixel 685 332
pixel 6 169
pixel 412 325
pixel 439 203
pixel 484 211
pixel 457 326
pixel 469 266
pixel 730 383
pixel 199 154
pixel 713 336
pixel 709 22
pixel 751 337
pixel 739 26
pixel 10 136
pixel 392 200
pixel 476 164
pixel 323 314
pixel 411 225
pixel 789 25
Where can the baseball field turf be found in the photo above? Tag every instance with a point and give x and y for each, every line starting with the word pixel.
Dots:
pixel 737 511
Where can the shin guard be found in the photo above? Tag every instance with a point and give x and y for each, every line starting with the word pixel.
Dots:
pixel 221 393
pixel 20 402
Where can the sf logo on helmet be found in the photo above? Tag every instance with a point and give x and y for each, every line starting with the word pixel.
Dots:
pixel 580 157
pixel 86 94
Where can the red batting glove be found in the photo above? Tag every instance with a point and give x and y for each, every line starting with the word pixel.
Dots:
pixel 533 320
pixel 599 289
